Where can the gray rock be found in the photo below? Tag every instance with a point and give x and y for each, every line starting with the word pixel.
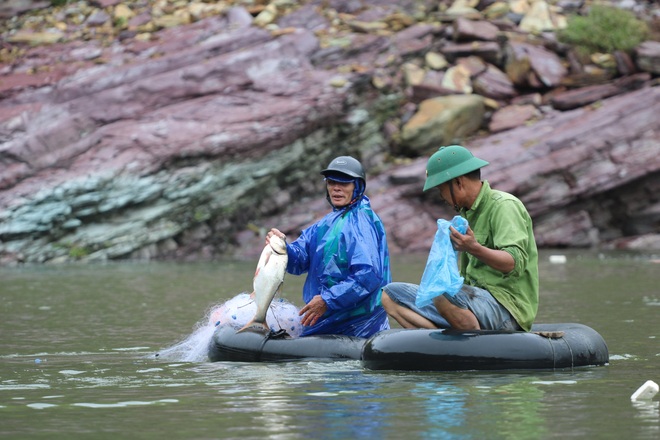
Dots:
pixel 648 57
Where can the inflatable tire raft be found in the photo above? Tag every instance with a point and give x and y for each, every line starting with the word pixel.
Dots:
pixel 249 346
pixel 547 346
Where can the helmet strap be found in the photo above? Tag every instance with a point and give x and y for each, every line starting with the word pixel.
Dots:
pixel 451 192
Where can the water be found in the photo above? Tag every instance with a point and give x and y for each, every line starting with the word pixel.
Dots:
pixel 79 344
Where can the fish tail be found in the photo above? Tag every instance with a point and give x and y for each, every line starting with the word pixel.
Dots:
pixel 255 326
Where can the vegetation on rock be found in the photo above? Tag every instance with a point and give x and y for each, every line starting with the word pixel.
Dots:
pixel 604 29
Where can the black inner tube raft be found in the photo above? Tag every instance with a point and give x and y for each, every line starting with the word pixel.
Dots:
pixel 250 346
pixel 547 346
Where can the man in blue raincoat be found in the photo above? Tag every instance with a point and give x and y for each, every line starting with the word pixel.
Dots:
pixel 346 259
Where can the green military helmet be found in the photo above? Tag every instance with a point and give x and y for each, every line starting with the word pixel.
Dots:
pixel 345 165
pixel 448 163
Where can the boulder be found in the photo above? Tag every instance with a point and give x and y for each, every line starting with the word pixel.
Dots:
pixel 529 65
pixel 648 57
pixel 439 121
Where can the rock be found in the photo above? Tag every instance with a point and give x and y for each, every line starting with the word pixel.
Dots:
pixel 588 95
pixel 413 74
pixel 266 16
pixel 424 91
pixel 537 18
pixel 122 12
pixel 457 78
pixel 104 3
pixel 128 139
pixel 489 51
pixel 98 19
pixel 561 230
pixel 36 38
pixel 442 120
pixel 435 61
pixel 471 30
pixel 520 7
pixel 599 153
pixel 648 57
pixel 463 8
pixel 533 66
pixel 624 64
pixel 569 168
pixel 512 116
pixel 414 40
pixel 641 242
pixel 12 8
pixel 493 83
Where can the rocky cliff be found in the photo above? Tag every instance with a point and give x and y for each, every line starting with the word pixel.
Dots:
pixel 160 130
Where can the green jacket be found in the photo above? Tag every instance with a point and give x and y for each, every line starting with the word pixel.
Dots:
pixel 500 221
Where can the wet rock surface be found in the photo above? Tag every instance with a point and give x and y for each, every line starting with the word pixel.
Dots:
pixel 184 130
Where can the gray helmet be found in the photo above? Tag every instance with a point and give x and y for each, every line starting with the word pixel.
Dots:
pixel 347 166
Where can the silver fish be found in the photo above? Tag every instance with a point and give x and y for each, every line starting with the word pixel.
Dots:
pixel 268 279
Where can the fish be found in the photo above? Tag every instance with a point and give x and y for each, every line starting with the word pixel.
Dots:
pixel 267 281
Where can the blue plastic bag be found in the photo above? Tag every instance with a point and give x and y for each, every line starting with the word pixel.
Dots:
pixel 441 273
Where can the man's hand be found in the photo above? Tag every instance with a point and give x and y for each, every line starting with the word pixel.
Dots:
pixel 312 311
pixel 498 260
pixel 277 232
pixel 463 242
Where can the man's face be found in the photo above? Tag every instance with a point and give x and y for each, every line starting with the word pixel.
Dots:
pixel 341 193
pixel 445 193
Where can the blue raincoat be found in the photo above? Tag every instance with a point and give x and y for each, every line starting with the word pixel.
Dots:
pixel 346 257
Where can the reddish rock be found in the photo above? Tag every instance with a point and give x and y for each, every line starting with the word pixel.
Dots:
pixel 189 141
pixel 583 174
pixel 512 116
pixel 422 92
pixel 588 95
pixel 534 66
pixel 468 30
pixel 493 83
pixel 489 51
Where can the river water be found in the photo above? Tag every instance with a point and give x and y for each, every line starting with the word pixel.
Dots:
pixel 118 351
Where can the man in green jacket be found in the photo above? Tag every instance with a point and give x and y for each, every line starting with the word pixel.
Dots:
pixel 498 260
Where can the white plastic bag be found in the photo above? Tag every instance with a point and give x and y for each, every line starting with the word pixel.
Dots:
pixel 441 273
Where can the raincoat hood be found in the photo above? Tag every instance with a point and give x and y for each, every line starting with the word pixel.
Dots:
pixel 358 194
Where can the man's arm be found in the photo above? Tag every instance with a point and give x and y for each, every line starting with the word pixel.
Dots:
pixel 498 260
